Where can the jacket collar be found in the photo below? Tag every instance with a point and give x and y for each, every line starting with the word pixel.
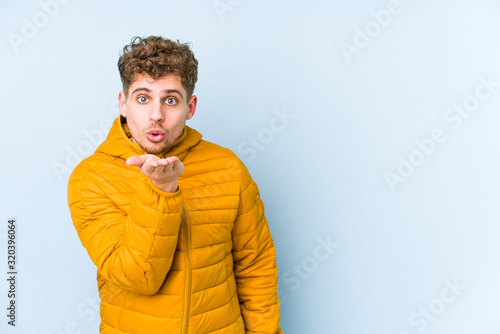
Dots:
pixel 118 142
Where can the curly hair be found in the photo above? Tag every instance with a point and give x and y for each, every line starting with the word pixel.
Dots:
pixel 158 56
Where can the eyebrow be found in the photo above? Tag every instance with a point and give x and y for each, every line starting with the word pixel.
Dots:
pixel 168 91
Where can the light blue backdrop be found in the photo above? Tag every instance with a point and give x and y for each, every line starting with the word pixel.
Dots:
pixel 371 128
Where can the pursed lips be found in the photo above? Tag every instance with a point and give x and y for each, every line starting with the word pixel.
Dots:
pixel 155 135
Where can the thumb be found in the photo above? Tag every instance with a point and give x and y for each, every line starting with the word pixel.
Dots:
pixel 136 160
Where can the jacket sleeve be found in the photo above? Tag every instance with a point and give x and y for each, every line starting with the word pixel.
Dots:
pixel 133 251
pixel 255 263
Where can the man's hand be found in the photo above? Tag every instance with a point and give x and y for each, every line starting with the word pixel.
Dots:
pixel 162 172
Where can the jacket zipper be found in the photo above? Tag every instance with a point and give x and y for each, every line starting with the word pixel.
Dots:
pixel 187 296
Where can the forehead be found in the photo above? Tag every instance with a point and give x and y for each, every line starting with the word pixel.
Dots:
pixel 166 82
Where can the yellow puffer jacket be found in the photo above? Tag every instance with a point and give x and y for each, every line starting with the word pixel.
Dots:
pixel 200 260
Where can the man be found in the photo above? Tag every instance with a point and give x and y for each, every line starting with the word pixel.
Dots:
pixel 174 224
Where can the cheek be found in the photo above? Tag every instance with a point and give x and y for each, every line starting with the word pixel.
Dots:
pixel 174 119
pixel 134 125
pixel 180 121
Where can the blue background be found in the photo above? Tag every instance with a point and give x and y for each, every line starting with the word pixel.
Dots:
pixel 353 118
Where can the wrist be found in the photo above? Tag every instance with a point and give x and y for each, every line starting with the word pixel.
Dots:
pixel 170 187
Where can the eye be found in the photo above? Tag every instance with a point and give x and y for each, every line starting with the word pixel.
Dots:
pixel 142 99
pixel 171 101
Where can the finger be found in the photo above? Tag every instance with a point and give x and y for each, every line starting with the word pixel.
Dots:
pixel 152 161
pixel 162 162
pixel 172 160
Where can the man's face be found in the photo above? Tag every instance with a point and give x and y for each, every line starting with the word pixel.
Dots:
pixel 156 111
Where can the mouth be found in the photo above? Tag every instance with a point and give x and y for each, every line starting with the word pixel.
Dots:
pixel 155 135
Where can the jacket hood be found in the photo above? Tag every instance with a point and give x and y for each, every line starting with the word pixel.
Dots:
pixel 118 142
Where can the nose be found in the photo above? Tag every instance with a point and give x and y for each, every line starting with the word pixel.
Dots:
pixel 156 113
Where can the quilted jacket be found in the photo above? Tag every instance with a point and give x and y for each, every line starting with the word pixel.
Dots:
pixel 198 261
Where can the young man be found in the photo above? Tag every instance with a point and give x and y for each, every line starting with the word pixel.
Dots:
pixel 174 224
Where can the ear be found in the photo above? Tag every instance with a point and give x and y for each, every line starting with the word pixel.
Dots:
pixel 121 104
pixel 192 106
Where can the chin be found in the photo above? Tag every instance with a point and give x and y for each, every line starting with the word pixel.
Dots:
pixel 155 148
